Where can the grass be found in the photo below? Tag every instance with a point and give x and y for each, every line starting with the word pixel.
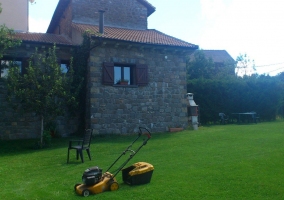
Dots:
pixel 217 162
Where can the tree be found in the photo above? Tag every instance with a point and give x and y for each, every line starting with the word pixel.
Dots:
pixel 6 38
pixel 199 67
pixel 44 89
pixel 245 66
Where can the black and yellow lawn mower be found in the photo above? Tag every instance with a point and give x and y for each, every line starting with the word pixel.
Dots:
pixel 95 181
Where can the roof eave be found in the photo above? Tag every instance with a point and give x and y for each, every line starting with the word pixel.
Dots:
pixel 48 43
pixel 194 47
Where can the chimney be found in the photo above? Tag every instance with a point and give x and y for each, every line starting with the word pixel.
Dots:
pixel 101 22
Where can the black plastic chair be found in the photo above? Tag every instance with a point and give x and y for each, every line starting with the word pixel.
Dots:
pixel 223 118
pixel 83 144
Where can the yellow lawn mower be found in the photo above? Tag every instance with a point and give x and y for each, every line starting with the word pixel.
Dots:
pixel 95 181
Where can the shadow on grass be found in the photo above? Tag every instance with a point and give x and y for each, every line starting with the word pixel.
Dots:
pixel 12 147
pixel 23 146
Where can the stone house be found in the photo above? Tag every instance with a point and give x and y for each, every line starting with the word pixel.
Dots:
pixel 153 63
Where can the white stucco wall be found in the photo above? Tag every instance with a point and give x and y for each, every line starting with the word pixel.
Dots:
pixel 15 14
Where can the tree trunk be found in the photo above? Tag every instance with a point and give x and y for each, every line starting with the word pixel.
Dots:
pixel 41 132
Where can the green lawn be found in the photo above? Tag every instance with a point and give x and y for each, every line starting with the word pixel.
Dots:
pixel 217 162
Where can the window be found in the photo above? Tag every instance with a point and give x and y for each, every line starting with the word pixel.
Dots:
pixel 64 66
pixel 23 64
pixel 122 74
pixel 4 64
pixel 116 73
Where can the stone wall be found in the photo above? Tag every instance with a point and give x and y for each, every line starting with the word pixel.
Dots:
pixel 118 110
pixel 159 105
pixel 17 125
pixel 118 13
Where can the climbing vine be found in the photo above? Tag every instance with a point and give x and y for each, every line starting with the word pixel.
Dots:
pixel 80 63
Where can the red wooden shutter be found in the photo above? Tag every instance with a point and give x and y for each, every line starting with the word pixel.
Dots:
pixel 108 74
pixel 142 74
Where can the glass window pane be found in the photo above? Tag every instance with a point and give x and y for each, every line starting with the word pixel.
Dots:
pixel 117 74
pixel 126 74
pixel 4 72
pixel 5 67
pixel 64 68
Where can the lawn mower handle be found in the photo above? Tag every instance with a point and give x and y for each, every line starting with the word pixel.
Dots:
pixel 139 135
pixel 145 133
pixel 132 151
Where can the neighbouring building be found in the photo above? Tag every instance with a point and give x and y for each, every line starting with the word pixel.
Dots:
pixel 15 14
pixel 153 63
pixel 221 59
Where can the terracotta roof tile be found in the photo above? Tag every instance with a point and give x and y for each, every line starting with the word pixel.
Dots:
pixel 218 55
pixel 149 36
pixel 44 38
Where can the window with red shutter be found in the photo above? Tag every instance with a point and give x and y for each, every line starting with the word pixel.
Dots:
pixel 108 74
pixel 142 75
pixel 124 74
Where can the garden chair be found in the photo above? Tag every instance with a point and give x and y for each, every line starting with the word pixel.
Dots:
pixel 83 144
pixel 223 118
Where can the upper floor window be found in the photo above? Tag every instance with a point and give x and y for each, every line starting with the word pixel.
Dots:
pixel 64 68
pixel 23 63
pixel 124 74
pixel 5 64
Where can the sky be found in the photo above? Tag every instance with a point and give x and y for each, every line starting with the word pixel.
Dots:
pixel 252 27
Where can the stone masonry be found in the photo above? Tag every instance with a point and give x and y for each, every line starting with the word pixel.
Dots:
pixel 131 14
pixel 15 125
pixel 118 13
pixel 159 105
